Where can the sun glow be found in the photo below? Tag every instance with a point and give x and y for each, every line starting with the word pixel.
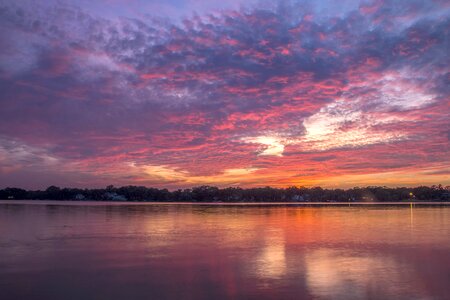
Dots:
pixel 269 145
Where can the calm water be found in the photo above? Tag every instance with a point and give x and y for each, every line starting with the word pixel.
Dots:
pixel 158 251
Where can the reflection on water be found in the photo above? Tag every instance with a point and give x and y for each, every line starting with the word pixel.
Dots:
pixel 337 274
pixel 221 252
pixel 271 262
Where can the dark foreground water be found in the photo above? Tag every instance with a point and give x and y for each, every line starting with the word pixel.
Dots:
pixel 184 251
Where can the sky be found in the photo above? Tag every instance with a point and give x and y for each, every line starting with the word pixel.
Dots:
pixel 183 93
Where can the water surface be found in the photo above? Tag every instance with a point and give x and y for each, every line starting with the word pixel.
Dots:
pixel 56 250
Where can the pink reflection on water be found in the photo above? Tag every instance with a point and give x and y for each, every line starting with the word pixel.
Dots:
pixel 204 252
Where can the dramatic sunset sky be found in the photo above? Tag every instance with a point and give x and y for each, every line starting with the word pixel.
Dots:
pixel 181 93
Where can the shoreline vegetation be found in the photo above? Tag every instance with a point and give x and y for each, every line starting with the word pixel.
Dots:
pixel 211 194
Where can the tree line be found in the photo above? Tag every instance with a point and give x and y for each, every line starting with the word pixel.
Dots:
pixel 234 194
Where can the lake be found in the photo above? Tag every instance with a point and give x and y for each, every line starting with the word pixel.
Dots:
pixel 66 250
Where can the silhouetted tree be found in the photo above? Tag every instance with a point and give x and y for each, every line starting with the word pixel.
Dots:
pixel 234 194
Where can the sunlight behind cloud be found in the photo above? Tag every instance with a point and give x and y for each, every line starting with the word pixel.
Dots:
pixel 329 120
pixel 270 145
pixel 166 173
pixel 244 171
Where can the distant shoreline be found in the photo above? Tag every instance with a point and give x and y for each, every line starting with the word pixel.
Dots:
pixel 212 194
pixel 118 203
